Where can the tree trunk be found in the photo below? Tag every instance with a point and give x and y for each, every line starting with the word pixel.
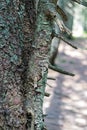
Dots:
pixel 24 49
pixel 12 114
pixel 38 68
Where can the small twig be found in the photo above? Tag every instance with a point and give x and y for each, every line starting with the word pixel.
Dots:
pixel 49 85
pixel 47 94
pixel 63 39
pixel 44 115
pixel 50 78
pixel 60 70
pixel 69 43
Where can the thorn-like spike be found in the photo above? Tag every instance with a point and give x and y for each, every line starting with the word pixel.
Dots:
pixel 49 85
pixel 47 94
pixel 66 41
pixel 63 39
pixel 51 78
pixel 44 115
pixel 60 70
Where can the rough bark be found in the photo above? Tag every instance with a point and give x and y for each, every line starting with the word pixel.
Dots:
pixel 23 64
pixel 12 114
pixel 38 67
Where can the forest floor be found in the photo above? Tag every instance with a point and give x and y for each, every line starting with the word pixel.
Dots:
pixel 66 108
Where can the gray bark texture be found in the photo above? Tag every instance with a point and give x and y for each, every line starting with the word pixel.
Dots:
pixel 24 45
pixel 12 114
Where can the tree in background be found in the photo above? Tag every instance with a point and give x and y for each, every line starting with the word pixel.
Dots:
pixel 26 30
pixel 69 9
pixel 84 17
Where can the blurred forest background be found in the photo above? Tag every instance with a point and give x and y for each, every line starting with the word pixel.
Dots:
pixel 80 21
pixel 77 18
pixel 66 108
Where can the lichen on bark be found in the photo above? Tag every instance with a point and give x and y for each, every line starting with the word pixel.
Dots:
pixel 38 66
pixel 12 114
pixel 24 55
